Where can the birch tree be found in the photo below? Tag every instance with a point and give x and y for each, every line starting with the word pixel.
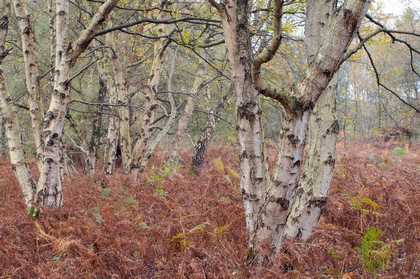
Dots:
pixel 269 200
pixel 48 131
pixel 9 115
pixel 160 46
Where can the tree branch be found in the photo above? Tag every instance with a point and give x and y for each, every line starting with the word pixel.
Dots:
pixel 268 53
pixel 380 84
pixel 195 20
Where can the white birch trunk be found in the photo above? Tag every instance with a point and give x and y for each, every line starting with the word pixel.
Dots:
pixel 14 140
pixel 11 124
pixel 252 156
pixel 32 75
pixel 122 99
pixel 312 191
pixel 113 131
pixel 298 110
pixel 268 204
pixel 49 188
pixel 146 131
pixel 212 119
pixel 180 135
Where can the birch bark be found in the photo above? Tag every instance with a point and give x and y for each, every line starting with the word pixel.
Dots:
pixel 113 130
pixel 12 128
pixel 268 203
pixel 49 188
pixel 146 132
pixel 121 99
pixel 312 191
pixel 178 139
pixel 32 75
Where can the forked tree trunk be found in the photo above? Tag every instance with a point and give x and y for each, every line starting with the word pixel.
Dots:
pixel 171 118
pixel 311 194
pixel 49 188
pixel 268 204
pixel 312 191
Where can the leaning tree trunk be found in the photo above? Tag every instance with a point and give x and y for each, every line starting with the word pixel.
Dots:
pixel 171 118
pixel 32 76
pixel 49 188
pixel 203 143
pixel 178 139
pixel 147 128
pixel 14 140
pixel 12 128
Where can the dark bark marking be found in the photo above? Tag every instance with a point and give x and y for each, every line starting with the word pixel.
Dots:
pixel 284 203
pixel 243 155
pixel 328 73
pixel 296 164
pixel 293 139
pixel 318 202
pixel 330 161
pixel 247 196
pixel 245 111
pixel 348 13
pixel 334 128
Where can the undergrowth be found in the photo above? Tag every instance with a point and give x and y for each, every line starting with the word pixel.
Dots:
pixel 172 224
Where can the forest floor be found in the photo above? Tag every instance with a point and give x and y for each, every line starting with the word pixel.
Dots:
pixel 172 224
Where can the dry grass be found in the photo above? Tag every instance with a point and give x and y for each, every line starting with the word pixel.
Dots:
pixel 193 227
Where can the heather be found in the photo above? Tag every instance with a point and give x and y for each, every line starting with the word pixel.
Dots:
pixel 173 223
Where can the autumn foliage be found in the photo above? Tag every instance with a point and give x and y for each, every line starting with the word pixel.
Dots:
pixel 170 223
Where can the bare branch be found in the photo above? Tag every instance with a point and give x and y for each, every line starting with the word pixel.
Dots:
pixel 103 104
pixel 380 84
pixel 90 32
pixel 268 53
pixel 195 20
pixel 83 69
